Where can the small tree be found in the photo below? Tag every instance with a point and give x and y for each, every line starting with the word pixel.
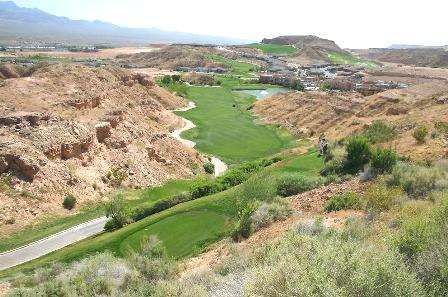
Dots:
pixel 175 77
pixel 69 202
pixel 166 80
pixel 209 168
pixel 383 160
pixel 116 211
pixel 358 152
pixel 420 133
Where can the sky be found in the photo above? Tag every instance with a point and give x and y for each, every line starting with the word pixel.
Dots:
pixel 350 23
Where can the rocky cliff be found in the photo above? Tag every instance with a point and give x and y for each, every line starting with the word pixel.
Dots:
pixel 69 129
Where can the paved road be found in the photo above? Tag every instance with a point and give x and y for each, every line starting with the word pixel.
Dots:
pixel 52 243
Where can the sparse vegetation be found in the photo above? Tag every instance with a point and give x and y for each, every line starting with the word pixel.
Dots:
pixel 379 132
pixel 116 176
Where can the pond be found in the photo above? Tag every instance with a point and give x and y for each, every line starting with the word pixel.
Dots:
pixel 261 94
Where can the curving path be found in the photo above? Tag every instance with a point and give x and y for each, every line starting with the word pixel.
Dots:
pixel 79 232
pixel 220 166
pixel 51 243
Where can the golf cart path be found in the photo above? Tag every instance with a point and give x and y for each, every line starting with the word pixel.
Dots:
pixel 51 243
pixel 220 166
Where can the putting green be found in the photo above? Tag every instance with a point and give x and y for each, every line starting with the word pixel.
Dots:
pixel 182 233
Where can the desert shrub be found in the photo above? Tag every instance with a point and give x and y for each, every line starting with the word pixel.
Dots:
pixel 383 160
pixel 380 197
pixel 335 161
pixel 422 232
pixel 379 132
pixel 116 176
pixel 152 261
pixel 441 126
pixel 420 134
pixel 243 226
pixel 69 202
pixel 209 168
pixel 417 180
pixel 342 201
pixel 358 153
pixel 328 265
pixel 116 211
pixel 268 213
pixel 293 184
pixel 432 268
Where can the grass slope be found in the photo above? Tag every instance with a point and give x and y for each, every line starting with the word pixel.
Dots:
pixel 226 129
pixel 54 225
pixel 185 229
pixel 274 49
pixel 347 59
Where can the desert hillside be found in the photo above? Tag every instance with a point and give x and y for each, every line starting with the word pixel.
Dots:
pixel 424 57
pixel 310 49
pixel 424 102
pixel 69 129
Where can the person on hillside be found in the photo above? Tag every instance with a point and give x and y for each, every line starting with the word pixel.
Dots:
pixel 323 145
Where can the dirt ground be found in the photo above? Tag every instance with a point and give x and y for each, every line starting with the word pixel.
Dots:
pixel 101 54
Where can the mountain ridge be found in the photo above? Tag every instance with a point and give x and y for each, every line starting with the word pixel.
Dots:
pixel 18 24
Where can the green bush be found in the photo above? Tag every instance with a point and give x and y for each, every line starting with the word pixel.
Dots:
pixel 420 134
pixel 205 188
pixel 145 211
pixel 69 202
pixel 293 184
pixel 383 160
pixel 209 168
pixel 358 153
pixel 379 132
pixel 342 201
pixel 116 176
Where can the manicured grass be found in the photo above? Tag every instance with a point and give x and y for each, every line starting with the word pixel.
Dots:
pixel 227 130
pixel 346 58
pixel 236 67
pixel 206 220
pixel 274 49
pixel 54 225
pixel 181 234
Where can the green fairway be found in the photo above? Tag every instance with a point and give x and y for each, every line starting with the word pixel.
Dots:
pixel 54 225
pixel 227 130
pixel 208 219
pixel 236 67
pixel 274 49
pixel 181 234
pixel 347 59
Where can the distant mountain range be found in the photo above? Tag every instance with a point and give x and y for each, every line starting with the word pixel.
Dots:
pixel 18 25
pixel 412 46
